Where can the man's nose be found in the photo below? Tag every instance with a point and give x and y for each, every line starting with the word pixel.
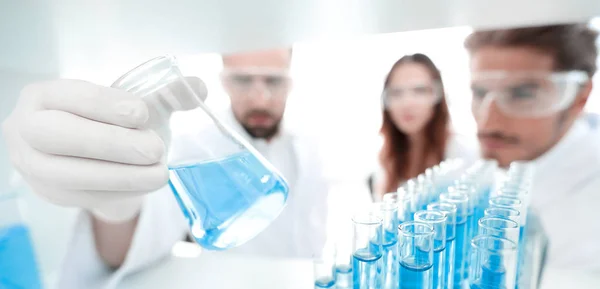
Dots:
pixel 488 115
pixel 260 93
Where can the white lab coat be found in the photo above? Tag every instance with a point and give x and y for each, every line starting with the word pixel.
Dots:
pixel 566 195
pixel 299 231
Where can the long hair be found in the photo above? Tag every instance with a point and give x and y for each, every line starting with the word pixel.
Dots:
pixel 394 155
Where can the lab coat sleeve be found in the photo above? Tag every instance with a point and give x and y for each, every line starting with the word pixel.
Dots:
pixel 160 226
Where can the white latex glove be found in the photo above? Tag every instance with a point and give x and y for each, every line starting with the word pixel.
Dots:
pixel 88 146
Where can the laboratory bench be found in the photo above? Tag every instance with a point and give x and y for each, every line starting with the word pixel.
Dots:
pixel 218 270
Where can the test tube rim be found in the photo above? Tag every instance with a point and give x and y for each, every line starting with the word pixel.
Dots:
pixel 376 219
pixel 518 202
pixel 413 234
pixel 434 212
pixel 518 214
pixel 453 207
pixel 495 251
pixel 484 219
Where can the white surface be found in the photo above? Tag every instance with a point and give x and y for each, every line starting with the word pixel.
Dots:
pixel 218 270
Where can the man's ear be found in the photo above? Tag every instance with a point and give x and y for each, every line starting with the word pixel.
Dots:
pixel 582 97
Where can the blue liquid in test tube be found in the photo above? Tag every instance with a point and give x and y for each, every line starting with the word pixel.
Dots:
pixel 388 211
pixel 437 220
pixel 461 201
pixel 367 251
pixel 450 211
pixel 415 249
pixel 494 263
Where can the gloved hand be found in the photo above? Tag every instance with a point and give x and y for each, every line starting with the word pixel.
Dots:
pixel 88 146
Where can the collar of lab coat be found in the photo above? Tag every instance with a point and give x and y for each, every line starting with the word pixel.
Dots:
pixel 582 129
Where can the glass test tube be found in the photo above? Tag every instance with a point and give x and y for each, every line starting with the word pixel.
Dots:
pixel 499 227
pixel 415 248
pixel 343 265
pixel 437 220
pixel 324 268
pixel 450 211
pixel 506 213
pixel 367 251
pixel 403 201
pixel 494 263
pixel 512 203
pixel 389 213
pixel 461 201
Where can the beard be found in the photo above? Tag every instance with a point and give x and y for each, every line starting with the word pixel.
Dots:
pixel 258 131
pixel 262 132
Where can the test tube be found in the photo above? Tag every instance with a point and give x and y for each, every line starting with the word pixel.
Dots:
pixel 403 201
pixel 461 201
pixel 494 262
pixel 324 268
pixel 512 203
pixel 450 211
pixel 367 251
pixel 506 213
pixel 467 188
pixel 343 265
pixel 437 220
pixel 411 188
pixel 389 213
pixel 415 248
pixel 507 201
pixel 499 227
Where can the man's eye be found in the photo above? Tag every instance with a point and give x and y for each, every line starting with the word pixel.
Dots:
pixel 523 92
pixel 479 92
pixel 241 79
pixel 274 80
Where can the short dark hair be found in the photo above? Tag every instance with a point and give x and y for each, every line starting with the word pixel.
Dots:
pixel 573 46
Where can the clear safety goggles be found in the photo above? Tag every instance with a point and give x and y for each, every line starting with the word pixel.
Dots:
pixel 526 94
pixel 426 94
pixel 247 82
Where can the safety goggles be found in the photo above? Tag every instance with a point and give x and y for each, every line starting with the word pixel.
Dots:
pixel 247 82
pixel 526 94
pixel 425 94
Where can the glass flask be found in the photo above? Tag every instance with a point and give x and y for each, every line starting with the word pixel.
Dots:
pixel 227 191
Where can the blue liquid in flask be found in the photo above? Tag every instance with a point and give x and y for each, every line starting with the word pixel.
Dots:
pixel 18 268
pixel 412 277
pixel 228 201
pixel 366 270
